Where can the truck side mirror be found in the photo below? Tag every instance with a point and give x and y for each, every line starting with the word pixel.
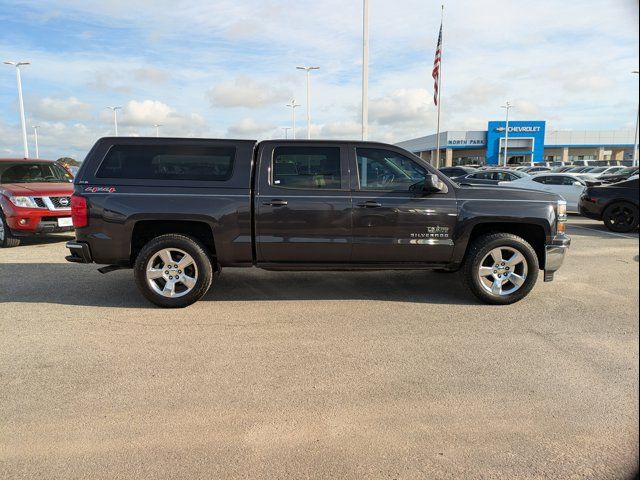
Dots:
pixel 433 184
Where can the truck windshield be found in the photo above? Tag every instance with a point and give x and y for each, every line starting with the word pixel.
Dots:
pixel 33 172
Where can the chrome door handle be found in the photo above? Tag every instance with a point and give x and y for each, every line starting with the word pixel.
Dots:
pixel 369 204
pixel 276 203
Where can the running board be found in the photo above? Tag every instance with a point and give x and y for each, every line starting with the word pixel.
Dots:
pixel 110 268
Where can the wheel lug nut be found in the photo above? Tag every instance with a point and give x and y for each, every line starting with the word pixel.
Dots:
pixel 166 272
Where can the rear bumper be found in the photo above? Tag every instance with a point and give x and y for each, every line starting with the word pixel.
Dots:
pixel 589 209
pixel 80 252
pixel 555 252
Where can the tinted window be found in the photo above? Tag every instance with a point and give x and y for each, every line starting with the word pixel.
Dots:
pixel 307 167
pixel 386 170
pixel 171 162
pixel 33 172
pixel 570 181
pixel 481 175
pixel 540 179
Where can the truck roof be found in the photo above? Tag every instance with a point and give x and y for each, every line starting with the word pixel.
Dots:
pixel 25 160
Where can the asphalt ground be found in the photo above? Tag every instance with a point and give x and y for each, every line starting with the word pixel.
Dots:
pixel 387 375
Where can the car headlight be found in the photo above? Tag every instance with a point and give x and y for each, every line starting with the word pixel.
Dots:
pixel 24 202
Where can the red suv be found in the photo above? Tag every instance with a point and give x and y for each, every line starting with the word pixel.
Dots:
pixel 35 197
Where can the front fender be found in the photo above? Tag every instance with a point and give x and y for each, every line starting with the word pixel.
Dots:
pixel 501 215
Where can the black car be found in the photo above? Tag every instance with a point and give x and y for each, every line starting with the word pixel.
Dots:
pixel 456 172
pixel 619 176
pixel 615 204
pixel 491 177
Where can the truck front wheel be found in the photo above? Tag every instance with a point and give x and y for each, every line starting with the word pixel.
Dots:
pixel 6 239
pixel 500 268
pixel 173 271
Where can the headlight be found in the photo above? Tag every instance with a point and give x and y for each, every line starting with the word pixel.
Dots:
pixel 562 215
pixel 562 211
pixel 24 202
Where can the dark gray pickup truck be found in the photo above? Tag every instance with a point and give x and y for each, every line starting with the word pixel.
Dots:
pixel 177 211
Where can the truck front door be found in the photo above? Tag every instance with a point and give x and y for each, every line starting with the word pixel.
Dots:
pixel 302 203
pixel 392 222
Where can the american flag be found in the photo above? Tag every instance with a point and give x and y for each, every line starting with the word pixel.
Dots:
pixel 436 67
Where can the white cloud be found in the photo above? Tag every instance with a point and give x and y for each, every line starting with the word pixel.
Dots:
pixel 245 92
pixel 49 108
pixel 250 128
pixel 142 115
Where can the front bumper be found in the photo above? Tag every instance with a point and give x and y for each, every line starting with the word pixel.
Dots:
pixel 555 252
pixel 80 252
pixel 30 221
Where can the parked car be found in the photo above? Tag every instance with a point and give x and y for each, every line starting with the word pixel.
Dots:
pixel 455 172
pixel 35 198
pixel 600 171
pixel 570 187
pixel 620 175
pixel 178 210
pixel 491 177
pixel 615 204
pixel 531 170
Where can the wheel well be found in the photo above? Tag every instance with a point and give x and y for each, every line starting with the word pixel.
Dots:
pixel 534 234
pixel 146 230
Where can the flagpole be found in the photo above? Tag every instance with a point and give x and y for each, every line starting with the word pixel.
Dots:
pixel 439 91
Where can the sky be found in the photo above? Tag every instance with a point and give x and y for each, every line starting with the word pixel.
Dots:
pixel 226 69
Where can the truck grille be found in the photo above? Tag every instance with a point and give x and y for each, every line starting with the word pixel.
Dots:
pixel 53 203
pixel 61 202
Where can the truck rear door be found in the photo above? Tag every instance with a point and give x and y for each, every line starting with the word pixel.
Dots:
pixel 302 203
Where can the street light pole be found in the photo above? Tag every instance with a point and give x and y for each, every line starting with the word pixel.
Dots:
pixel 23 122
pixel 308 70
pixel 506 106
pixel 115 118
pixel 286 132
pixel 157 125
pixel 365 70
pixel 35 134
pixel 635 141
pixel 293 105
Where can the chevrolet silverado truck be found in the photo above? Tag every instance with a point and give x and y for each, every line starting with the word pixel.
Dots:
pixel 35 198
pixel 178 211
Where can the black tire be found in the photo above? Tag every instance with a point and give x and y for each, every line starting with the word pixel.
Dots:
pixel 621 217
pixel 201 266
pixel 478 251
pixel 7 240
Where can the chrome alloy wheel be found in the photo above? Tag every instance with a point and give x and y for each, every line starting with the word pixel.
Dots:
pixel 172 273
pixel 1 231
pixel 503 271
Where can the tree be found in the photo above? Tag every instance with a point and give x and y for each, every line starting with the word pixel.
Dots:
pixel 69 162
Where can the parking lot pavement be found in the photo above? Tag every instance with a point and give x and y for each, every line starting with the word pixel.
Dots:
pixel 335 375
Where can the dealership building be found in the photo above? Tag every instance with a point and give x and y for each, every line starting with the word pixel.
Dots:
pixel 527 141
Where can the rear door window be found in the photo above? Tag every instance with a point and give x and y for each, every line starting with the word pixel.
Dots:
pixel 167 162
pixel 306 168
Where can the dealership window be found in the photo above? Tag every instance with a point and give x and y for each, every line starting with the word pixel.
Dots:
pixel 386 170
pixel 307 167
pixel 168 162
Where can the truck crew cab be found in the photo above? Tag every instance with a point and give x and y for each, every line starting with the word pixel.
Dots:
pixel 179 210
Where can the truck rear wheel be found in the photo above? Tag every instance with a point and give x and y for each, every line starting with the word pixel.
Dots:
pixel 173 271
pixel 6 239
pixel 500 268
